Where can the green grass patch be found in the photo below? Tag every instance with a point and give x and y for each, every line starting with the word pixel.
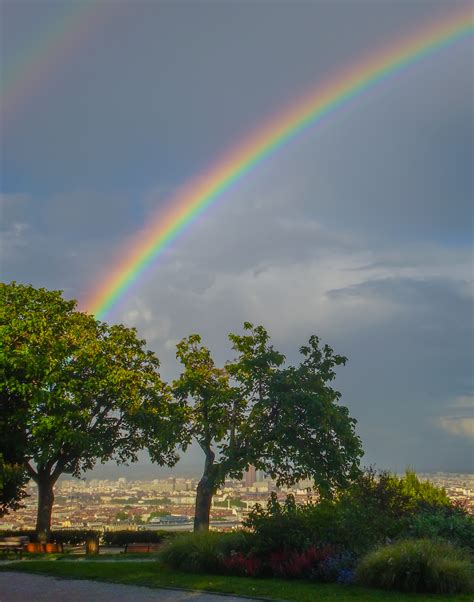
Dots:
pixel 155 574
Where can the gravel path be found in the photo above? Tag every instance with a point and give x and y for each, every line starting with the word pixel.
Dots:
pixel 24 587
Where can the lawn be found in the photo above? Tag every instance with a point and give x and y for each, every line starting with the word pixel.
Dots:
pixel 154 574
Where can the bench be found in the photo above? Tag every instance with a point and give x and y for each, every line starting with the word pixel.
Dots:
pixel 14 543
pixel 140 548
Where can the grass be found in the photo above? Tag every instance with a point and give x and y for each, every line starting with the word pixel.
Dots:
pixel 155 574
pixel 418 565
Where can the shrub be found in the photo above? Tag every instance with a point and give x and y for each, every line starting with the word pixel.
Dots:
pixel 451 523
pixel 25 532
pixel 337 567
pixel 65 536
pixel 292 564
pixel 417 565
pixel 375 507
pixel 241 564
pixel 73 537
pixel 286 564
pixel 201 552
pixel 280 526
pixel 121 538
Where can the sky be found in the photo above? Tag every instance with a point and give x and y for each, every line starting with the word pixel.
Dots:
pixel 359 230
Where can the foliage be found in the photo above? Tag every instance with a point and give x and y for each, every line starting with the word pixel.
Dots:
pixel 13 479
pixel 291 564
pixel 201 552
pixel 120 538
pixel 421 493
pixel 121 516
pixel 64 536
pixel 338 567
pixel 238 553
pixel 281 526
pixel 239 563
pixel 451 523
pixel 13 476
pixel 417 565
pixel 108 538
pixel 285 564
pixel 285 420
pixel 376 507
pixel 81 390
pixel 73 537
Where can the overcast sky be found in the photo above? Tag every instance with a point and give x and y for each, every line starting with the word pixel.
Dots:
pixel 359 231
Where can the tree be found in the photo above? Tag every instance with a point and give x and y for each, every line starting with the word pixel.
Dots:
pixel 258 411
pixel 13 477
pixel 78 390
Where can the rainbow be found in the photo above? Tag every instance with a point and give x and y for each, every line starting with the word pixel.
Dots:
pixel 196 196
pixel 31 69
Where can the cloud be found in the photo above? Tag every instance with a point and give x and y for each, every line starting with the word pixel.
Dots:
pixel 460 421
pixel 455 425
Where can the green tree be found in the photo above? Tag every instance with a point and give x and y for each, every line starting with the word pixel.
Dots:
pixel 13 476
pixel 258 411
pixel 122 516
pixel 13 479
pixel 84 391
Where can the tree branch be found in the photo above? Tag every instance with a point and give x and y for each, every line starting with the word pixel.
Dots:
pixel 31 471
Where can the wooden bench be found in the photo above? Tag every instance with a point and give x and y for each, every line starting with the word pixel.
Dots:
pixel 14 544
pixel 140 548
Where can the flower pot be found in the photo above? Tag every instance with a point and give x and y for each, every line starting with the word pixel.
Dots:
pixel 34 548
pixel 92 545
pixel 52 548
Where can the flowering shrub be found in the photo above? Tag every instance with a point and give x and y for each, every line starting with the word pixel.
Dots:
pixel 203 552
pixel 338 567
pixel 240 564
pixel 293 564
pixel 346 576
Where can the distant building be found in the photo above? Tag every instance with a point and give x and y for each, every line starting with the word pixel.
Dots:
pixel 250 477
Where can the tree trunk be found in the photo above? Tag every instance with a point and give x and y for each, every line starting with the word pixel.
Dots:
pixel 45 508
pixel 204 495
pixel 205 491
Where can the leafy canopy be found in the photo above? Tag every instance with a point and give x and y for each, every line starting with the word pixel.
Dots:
pixel 78 390
pixel 285 420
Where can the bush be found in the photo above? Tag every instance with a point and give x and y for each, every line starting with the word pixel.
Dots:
pixel 417 565
pixel 336 568
pixel 25 532
pixel 293 565
pixel 235 554
pixel 202 552
pixel 121 538
pixel 73 537
pixel 451 523
pixel 376 507
pixel 65 536
pixel 242 564
pixel 281 526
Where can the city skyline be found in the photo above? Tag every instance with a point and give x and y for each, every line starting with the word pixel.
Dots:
pixel 168 503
